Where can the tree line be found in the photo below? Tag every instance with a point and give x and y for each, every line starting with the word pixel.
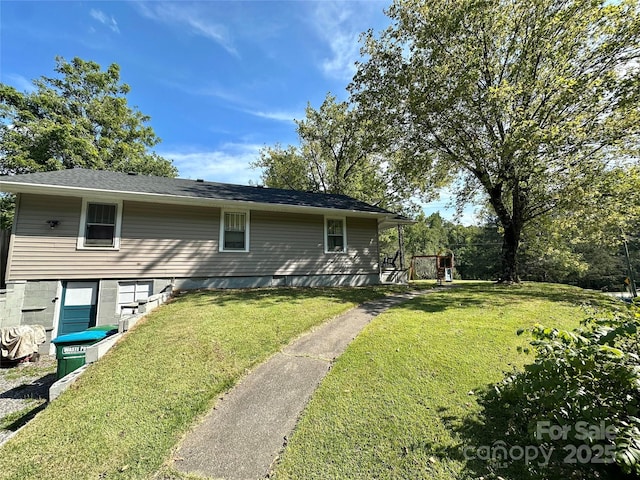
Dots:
pixel 476 249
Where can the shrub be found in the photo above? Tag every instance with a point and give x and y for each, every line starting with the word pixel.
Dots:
pixel 580 398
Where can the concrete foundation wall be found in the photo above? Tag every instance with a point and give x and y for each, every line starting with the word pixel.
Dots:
pixel 394 276
pixel 11 301
pixel 30 303
pixel 40 303
pixel 278 281
pixel 108 297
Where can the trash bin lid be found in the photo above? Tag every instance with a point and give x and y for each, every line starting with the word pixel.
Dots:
pixel 84 336
pixel 106 328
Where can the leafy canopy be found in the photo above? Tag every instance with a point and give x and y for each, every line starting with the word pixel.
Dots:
pixel 526 102
pixel 79 118
pixel 335 156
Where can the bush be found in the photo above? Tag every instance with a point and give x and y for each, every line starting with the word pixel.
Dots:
pixel 579 399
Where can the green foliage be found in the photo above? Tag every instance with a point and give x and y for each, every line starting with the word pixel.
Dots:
pixel 334 156
pixel 524 102
pixel 429 236
pixel 79 118
pixel 476 248
pixel 6 211
pixel 477 251
pixel 582 380
pixel 584 245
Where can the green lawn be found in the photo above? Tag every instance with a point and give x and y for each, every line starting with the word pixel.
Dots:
pixel 401 401
pixel 124 416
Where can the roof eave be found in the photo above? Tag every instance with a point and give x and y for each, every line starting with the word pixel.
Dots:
pixel 394 221
pixel 66 191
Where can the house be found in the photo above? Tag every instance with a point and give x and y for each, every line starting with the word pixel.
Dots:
pixel 85 244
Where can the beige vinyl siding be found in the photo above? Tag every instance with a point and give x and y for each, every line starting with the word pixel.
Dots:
pixel 179 241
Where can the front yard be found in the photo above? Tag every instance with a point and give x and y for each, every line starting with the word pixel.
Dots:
pixel 401 402
pixel 124 416
pixel 398 404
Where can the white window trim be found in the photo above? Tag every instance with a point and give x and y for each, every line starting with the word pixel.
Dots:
pixel 83 226
pixel 344 235
pixel 247 231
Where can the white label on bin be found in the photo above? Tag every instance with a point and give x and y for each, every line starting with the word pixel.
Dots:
pixel 74 349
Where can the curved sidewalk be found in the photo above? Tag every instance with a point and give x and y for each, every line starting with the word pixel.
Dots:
pixel 247 429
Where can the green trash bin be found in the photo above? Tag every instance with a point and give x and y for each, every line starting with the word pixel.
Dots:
pixel 71 348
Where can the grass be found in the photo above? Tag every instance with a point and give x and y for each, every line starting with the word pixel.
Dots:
pixel 33 396
pixel 15 420
pixel 401 402
pixel 127 412
pixel 34 370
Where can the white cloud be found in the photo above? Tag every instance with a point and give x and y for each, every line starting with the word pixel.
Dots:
pixel 189 15
pixel 104 19
pixel 339 24
pixel 280 116
pixel 19 82
pixel 334 23
pixel 236 101
pixel 228 164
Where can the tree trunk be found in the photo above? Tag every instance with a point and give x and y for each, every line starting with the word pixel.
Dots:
pixel 512 223
pixel 510 244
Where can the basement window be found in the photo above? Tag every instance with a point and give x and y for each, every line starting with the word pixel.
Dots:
pixel 132 292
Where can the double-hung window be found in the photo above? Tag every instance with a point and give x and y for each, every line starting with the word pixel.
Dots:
pixel 100 225
pixel 234 231
pixel 335 237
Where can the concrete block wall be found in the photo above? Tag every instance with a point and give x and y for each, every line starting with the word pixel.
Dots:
pixel 29 303
pixel 107 302
pixel 40 303
pixel 12 300
pixel 108 297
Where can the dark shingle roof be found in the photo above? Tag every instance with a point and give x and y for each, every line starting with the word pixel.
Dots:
pixel 100 180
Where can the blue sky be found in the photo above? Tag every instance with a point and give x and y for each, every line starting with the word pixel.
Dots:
pixel 220 79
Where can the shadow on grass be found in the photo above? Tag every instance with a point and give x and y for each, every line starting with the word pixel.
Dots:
pixel 266 297
pixel 439 303
pixel 546 291
pixel 21 418
pixel 445 297
pixel 492 446
pixel 36 389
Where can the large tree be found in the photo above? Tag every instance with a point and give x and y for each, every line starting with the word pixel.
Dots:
pixel 524 101
pixel 334 155
pixel 78 118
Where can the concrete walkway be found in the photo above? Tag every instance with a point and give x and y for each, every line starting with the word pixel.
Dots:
pixel 245 432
